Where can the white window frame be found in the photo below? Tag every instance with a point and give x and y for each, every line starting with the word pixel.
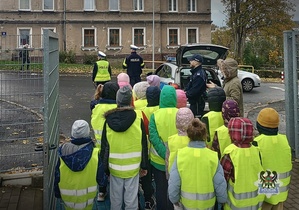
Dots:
pixel 110 9
pixel 95 47
pixel 42 33
pixel 139 7
pixel 89 2
pixel 144 36
pixel 19 36
pixel 108 41
pixel 168 44
pixel 45 9
pixel 187 33
pixel 195 5
pixel 27 9
pixel 172 5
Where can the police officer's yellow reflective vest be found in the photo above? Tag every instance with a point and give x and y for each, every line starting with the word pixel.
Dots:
pixel 215 121
pixel 103 73
pixel 78 189
pixel 197 167
pixel 125 150
pixel 243 194
pixel 165 120
pixel 223 138
pixel 175 142
pixel 98 120
pixel 276 156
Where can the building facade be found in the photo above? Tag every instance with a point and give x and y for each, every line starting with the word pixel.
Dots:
pixel 157 27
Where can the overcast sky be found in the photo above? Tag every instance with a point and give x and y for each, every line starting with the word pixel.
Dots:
pixel 218 16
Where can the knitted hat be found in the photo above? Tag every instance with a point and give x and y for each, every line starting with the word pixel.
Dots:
pixel 184 116
pixel 268 117
pixel 230 109
pixel 140 89
pixel 80 129
pixel 181 98
pixel 124 96
pixel 216 97
pixel 153 80
pixel 109 90
pixel 123 79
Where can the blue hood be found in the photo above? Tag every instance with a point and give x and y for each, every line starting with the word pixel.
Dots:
pixel 76 157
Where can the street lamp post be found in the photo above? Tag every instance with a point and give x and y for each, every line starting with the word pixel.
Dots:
pixel 153 56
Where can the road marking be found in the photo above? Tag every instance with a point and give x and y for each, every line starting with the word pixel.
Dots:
pixel 277 88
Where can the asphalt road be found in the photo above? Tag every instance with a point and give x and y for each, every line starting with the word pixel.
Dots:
pixel 76 92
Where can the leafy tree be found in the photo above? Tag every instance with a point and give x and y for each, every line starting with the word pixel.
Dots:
pixel 222 36
pixel 264 17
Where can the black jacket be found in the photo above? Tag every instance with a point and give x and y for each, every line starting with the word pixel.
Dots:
pixel 196 88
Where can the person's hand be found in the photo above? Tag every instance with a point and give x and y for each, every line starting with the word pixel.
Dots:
pixel 142 173
pixel 211 85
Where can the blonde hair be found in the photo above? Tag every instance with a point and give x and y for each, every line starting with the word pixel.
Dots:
pixel 197 130
pixel 98 92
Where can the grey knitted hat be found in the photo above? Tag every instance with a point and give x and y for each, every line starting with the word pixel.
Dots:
pixel 124 96
pixel 80 129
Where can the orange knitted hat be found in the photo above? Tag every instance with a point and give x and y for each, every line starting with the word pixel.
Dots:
pixel 268 117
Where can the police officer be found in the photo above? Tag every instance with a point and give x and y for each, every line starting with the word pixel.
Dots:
pixel 134 64
pixel 101 70
pixel 196 88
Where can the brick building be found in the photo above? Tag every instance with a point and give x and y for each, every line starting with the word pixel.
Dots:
pixel 86 26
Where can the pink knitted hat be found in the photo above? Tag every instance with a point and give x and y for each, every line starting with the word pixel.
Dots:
pixel 123 79
pixel 181 98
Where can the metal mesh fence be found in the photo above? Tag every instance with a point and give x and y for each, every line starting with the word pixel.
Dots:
pixel 21 101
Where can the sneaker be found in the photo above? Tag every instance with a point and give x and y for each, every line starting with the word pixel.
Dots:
pixel 150 205
pixel 101 196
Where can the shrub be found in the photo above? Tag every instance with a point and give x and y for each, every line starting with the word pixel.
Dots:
pixel 89 59
pixel 67 56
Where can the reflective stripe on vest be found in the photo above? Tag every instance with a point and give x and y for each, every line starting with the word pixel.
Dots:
pixel 165 120
pixel 79 205
pixel 102 73
pixel 125 150
pixel 78 192
pixel 229 205
pixel 197 196
pixel 215 121
pixel 276 156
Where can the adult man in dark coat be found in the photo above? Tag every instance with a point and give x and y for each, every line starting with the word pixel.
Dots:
pixel 196 88
pixel 134 64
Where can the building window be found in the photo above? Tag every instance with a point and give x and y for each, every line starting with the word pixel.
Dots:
pixel 48 4
pixel 114 5
pixel 139 36
pixel 191 5
pixel 89 36
pixel 89 5
pixel 24 36
pixel 24 4
pixel 172 5
pixel 138 5
pixel 173 37
pixel 42 32
pixel 114 37
pixel 192 35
